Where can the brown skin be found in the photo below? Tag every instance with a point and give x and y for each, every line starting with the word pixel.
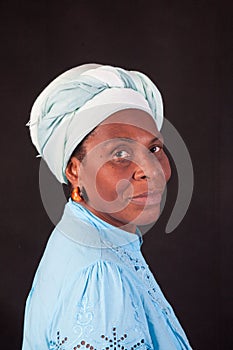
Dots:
pixel 124 172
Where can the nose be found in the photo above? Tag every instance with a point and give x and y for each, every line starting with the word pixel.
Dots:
pixel 148 167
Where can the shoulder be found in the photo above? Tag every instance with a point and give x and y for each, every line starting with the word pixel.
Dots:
pixel 96 304
pixel 62 263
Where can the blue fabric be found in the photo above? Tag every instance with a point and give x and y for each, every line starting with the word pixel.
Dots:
pixel 93 289
pixel 69 96
pixel 77 101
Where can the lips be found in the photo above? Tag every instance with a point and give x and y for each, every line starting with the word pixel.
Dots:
pixel 147 198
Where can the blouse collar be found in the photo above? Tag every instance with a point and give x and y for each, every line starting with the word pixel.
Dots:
pixel 85 228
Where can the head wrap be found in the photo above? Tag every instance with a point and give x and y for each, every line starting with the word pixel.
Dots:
pixel 78 100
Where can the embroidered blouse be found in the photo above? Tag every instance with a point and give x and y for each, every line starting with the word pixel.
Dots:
pixel 94 290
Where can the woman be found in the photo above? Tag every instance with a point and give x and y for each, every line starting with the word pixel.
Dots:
pixel 97 127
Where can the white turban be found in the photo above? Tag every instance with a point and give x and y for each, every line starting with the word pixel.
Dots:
pixel 78 100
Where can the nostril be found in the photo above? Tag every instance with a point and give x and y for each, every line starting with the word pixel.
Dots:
pixel 140 174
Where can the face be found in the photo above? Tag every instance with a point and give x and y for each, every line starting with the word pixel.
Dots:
pixel 125 170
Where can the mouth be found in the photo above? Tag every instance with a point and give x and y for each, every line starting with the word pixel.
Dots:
pixel 147 198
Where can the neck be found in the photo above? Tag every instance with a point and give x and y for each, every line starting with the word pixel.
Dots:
pixel 128 227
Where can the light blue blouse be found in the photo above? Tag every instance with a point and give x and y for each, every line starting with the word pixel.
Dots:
pixel 94 290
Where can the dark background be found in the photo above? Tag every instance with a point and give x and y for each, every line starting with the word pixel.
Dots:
pixel 185 47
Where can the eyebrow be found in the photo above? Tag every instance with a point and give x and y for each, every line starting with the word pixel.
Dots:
pixel 157 138
pixel 125 139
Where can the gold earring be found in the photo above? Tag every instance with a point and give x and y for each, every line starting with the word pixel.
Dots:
pixel 75 195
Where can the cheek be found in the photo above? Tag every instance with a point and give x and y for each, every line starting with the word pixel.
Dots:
pixel 106 183
pixel 98 181
pixel 106 186
pixel 165 164
pixel 112 182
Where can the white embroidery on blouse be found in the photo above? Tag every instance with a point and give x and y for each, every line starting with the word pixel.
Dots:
pixel 85 314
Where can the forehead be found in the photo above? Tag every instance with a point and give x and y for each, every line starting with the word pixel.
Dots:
pixel 133 124
pixel 135 117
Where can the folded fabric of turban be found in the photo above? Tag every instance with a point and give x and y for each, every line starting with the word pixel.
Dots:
pixel 78 100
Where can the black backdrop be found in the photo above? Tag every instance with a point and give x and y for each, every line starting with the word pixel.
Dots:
pixel 184 46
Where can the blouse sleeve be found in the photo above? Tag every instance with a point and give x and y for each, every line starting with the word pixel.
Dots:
pixel 100 309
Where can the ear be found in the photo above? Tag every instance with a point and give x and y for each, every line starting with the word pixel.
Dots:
pixel 72 171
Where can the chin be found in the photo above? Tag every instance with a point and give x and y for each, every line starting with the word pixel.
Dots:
pixel 147 216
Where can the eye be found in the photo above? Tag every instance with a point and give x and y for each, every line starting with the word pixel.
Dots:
pixel 156 149
pixel 121 155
